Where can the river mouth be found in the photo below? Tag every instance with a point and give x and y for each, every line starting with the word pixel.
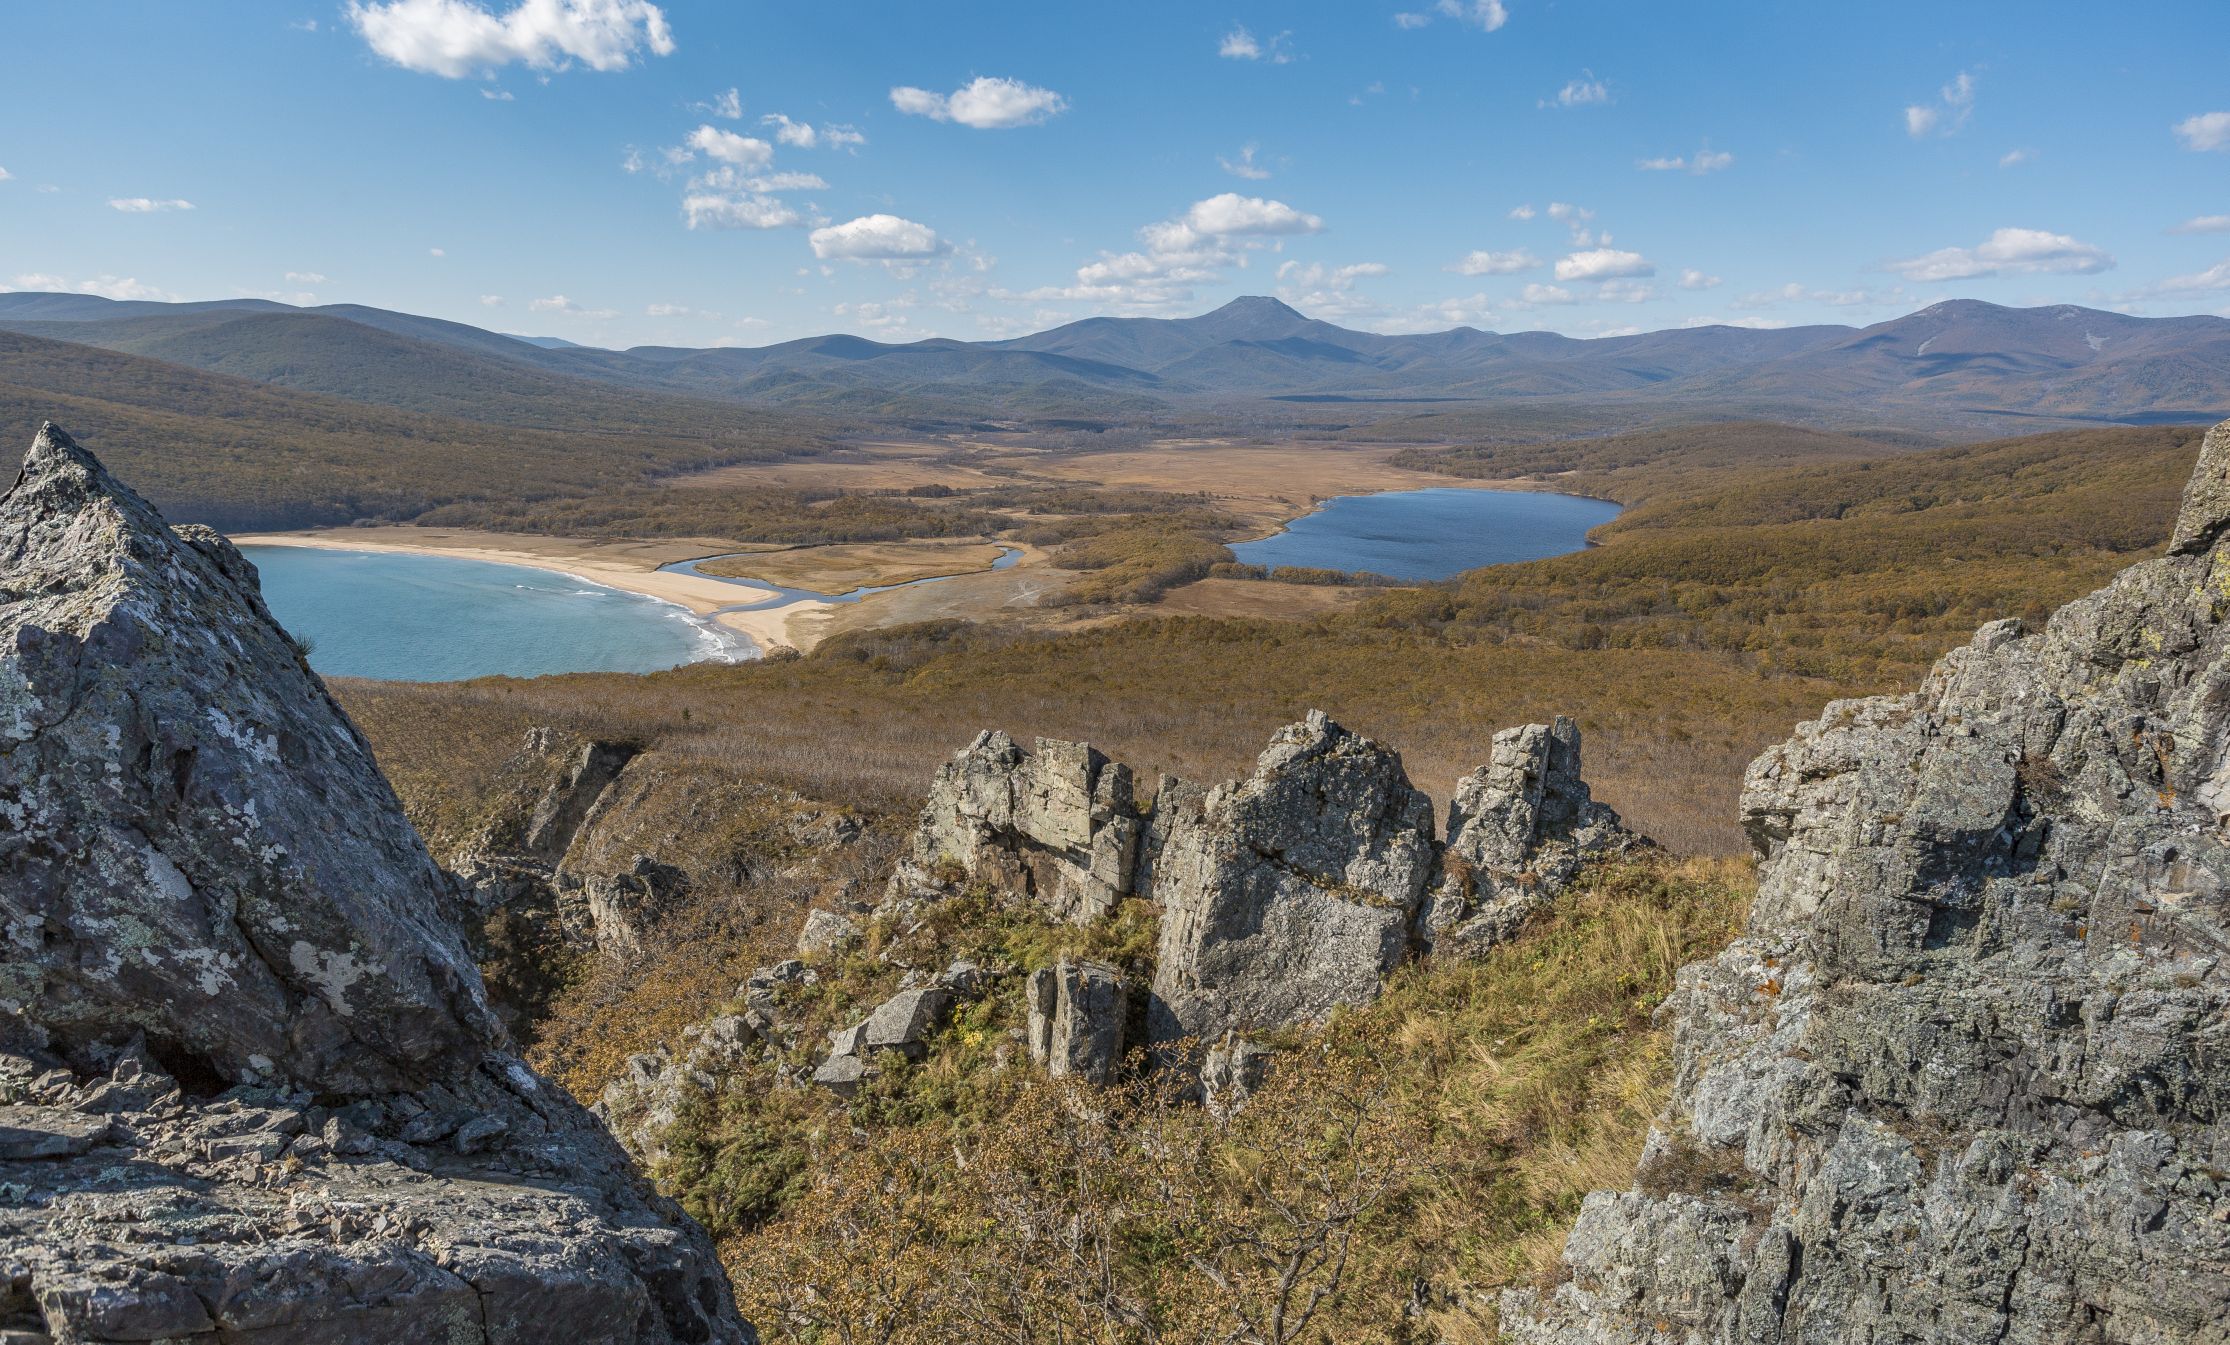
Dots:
pixel 412 617
pixel 1424 535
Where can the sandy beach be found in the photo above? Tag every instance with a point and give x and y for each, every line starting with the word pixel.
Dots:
pixel 629 566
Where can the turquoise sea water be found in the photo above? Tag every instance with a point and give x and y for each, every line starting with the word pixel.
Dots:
pixel 439 618
pixel 1431 534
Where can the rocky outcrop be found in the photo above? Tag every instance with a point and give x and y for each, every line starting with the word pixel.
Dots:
pixel 1056 826
pixel 1292 892
pixel 1519 830
pixel 901 1024
pixel 1966 1077
pixel 249 1084
pixel 624 907
pixel 1075 1016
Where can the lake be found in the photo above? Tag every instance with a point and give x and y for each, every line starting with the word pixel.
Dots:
pixel 1431 534
pixel 408 617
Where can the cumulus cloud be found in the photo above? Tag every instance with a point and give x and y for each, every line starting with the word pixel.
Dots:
pixel 1693 279
pixel 1604 264
pixel 106 286
pixel 1191 249
pixel 5 175
pixel 558 303
pixel 877 238
pixel 2007 252
pixel 491 301
pixel 1241 45
pixel 1705 160
pixel 1522 212
pixel 728 105
pixel 1579 93
pixel 141 205
pixel 738 210
pixel 744 151
pixel 804 135
pixel 1244 166
pixel 1484 15
pixel 984 103
pixel 456 38
pixel 305 278
pixel 1329 291
pixel 1495 263
pixel 496 95
pixel 2215 277
pixel 666 310
pixel 2204 224
pixel 1547 294
pixel 1948 114
pixel 2207 131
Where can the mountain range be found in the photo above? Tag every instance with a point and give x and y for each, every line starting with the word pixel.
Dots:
pixel 1959 364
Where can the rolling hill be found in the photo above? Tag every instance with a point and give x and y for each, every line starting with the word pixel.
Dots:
pixel 1961 365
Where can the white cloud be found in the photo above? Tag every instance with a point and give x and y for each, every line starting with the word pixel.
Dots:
pixel 877 238
pixel 1241 45
pixel 1793 293
pixel 106 286
pixel 2014 158
pixel 437 252
pixel 496 95
pixel 1496 263
pixel 984 103
pixel 1757 323
pixel 2204 224
pixel 5 175
pixel 667 311
pixel 1579 93
pixel 1547 294
pixel 1522 212
pixel 2008 252
pixel 1693 279
pixel 1625 292
pixel 141 205
pixel 558 303
pixel 738 210
pixel 1244 166
pixel 491 301
pixel 2215 277
pixel 804 135
pixel 1604 264
pixel 1484 15
pixel 304 278
pixel 1575 218
pixel 2208 130
pixel 1948 114
pixel 728 105
pixel 743 151
pixel 1230 213
pixel 456 38
pixel 1329 291
pixel 1705 160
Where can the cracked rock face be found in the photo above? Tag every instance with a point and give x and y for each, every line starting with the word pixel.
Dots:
pixel 197 844
pixel 1967 1076
pixel 250 1088
pixel 1056 825
pixel 1290 893
pixel 1075 1015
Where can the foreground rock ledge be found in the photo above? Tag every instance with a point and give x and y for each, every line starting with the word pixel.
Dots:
pixel 1967 1077
pixel 250 1088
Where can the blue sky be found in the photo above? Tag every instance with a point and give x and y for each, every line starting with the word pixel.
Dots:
pixel 620 172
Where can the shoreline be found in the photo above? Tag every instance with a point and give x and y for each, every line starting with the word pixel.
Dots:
pixel 612 565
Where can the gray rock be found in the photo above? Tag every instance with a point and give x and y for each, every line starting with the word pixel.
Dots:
pixel 1967 1075
pixel 203 873
pixel 1056 826
pixel 1519 830
pixel 566 805
pixel 198 845
pixel 826 933
pixel 1076 1013
pixel 1290 893
pixel 626 906
pixel 903 1022
pixel 1230 1071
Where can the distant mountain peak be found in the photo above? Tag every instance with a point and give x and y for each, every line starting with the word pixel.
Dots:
pixel 1255 306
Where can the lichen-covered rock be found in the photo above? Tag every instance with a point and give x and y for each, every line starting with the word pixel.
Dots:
pixel 1292 892
pixel 1056 825
pixel 197 844
pixel 1967 1076
pixel 1519 830
pixel 625 907
pixel 1076 1013
pixel 826 933
pixel 224 950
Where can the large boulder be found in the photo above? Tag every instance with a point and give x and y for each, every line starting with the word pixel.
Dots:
pixel 1520 828
pixel 1056 826
pixel 1075 1017
pixel 218 930
pixel 1967 1075
pixel 1290 893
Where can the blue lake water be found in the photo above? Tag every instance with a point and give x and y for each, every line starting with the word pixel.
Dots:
pixel 1431 534
pixel 440 618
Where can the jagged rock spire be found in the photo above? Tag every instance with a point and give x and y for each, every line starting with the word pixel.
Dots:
pixel 198 846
